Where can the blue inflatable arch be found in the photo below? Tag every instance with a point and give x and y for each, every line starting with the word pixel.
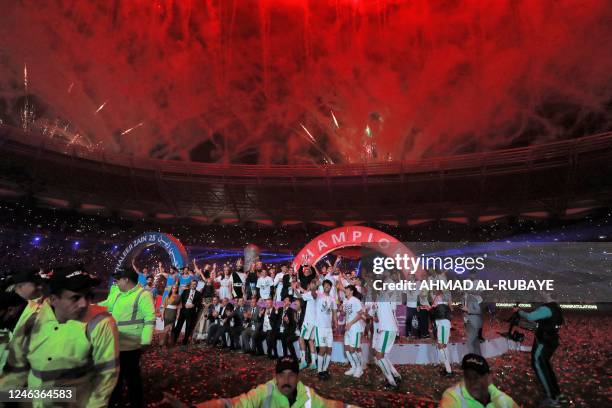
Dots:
pixel 173 247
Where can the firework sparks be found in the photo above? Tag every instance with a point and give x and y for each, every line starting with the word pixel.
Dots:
pixel 308 133
pixel 27 113
pixel 125 132
pixel 100 108
pixel 74 139
pixel 70 87
pixel 313 141
pixel 25 77
pixel 335 120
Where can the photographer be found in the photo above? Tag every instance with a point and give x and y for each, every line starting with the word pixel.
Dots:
pixel 549 318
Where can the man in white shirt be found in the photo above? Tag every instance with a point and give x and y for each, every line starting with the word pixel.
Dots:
pixel 264 283
pixel 384 315
pixel 308 326
pixel 354 313
pixel 326 321
pixel 442 315
pixel 278 285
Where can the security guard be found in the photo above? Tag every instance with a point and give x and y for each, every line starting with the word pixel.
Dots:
pixel 476 390
pixel 285 390
pixel 549 319
pixel 65 342
pixel 133 309
pixel 16 290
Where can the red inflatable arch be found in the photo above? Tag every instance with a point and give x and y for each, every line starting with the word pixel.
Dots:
pixel 343 237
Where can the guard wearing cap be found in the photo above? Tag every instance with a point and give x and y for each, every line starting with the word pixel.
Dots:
pixel 476 389
pixel 20 294
pixel 27 283
pixel 133 309
pixel 66 342
pixel 283 391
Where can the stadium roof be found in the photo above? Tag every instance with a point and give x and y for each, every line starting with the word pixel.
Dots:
pixel 559 179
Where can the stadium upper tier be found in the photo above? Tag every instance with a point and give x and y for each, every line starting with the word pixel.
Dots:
pixel 555 179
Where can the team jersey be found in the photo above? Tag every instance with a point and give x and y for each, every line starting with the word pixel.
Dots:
pixel 370 308
pixel 278 282
pixel 264 285
pixel 325 305
pixel 386 316
pixel 311 308
pixel 333 279
pixel 352 307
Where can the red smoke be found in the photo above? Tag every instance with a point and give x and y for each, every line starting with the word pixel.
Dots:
pixel 234 80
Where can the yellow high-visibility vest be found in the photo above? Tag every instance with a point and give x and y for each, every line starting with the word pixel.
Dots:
pixel 458 396
pixel 135 315
pixel 44 353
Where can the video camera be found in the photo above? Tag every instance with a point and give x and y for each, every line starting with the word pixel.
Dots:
pixel 515 321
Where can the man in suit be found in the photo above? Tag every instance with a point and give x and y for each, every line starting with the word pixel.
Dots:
pixel 286 328
pixel 191 302
pixel 270 328
pixel 216 320
pixel 252 326
pixel 228 318
pixel 236 325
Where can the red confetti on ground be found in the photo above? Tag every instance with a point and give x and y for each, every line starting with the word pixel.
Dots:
pixel 582 364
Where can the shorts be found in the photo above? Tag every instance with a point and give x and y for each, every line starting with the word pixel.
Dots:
pixel 443 328
pixel 375 336
pixel 324 337
pixel 352 338
pixel 384 341
pixel 307 331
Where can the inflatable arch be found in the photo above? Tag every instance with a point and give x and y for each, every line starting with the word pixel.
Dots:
pixel 176 251
pixel 343 237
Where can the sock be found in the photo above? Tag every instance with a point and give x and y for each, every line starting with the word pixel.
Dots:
pixel 444 359
pixel 320 363
pixel 380 363
pixel 350 360
pixel 390 366
pixel 326 361
pixel 357 359
pixel 303 356
pixel 313 357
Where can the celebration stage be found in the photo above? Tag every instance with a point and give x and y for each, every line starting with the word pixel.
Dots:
pixel 421 352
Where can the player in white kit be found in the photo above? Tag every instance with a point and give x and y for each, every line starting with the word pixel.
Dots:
pixel 384 315
pixel 308 327
pixel 442 316
pixel 325 321
pixel 354 312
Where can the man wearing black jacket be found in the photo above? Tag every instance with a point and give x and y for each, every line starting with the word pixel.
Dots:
pixel 191 302
pixel 215 320
pixel 236 324
pixel 287 325
pixel 270 325
pixel 228 318
pixel 252 326
pixel 549 317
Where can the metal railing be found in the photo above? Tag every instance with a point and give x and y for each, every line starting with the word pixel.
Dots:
pixel 507 160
